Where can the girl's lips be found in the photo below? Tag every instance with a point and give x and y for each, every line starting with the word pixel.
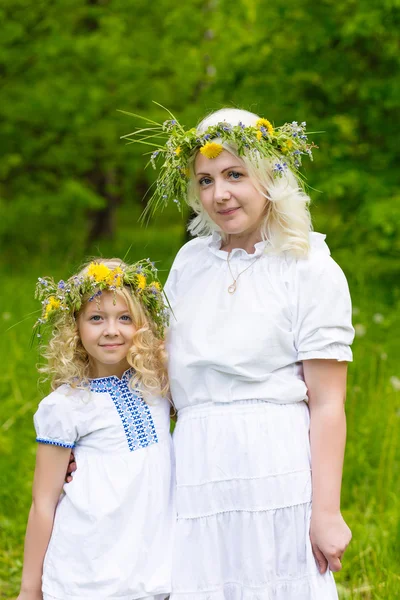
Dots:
pixel 111 345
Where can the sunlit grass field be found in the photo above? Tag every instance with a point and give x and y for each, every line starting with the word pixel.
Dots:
pixel 371 489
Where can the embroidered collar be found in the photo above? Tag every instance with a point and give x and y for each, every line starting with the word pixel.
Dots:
pixel 111 382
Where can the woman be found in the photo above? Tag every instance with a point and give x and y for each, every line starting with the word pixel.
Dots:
pixel 258 345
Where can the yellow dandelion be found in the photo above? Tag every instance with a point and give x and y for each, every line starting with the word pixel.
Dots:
pixel 100 273
pixel 259 135
pixel 211 149
pixel 157 285
pixel 52 304
pixel 178 150
pixel 141 281
pixel 116 277
pixel 265 123
pixel 287 146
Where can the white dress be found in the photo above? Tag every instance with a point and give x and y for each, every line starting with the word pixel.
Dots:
pixel 113 527
pixel 242 438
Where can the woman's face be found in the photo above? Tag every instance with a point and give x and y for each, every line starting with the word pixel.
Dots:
pixel 228 194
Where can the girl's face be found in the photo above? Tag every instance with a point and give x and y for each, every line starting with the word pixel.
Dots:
pixel 228 194
pixel 106 331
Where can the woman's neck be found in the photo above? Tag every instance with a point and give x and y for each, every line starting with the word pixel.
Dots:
pixel 246 241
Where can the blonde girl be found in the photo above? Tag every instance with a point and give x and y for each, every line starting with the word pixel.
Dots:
pixel 109 534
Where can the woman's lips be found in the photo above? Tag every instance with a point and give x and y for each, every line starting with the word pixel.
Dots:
pixel 228 211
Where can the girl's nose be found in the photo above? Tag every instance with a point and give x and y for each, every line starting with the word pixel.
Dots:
pixel 111 327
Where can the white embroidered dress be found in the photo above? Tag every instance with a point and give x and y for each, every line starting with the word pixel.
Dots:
pixel 242 437
pixel 113 527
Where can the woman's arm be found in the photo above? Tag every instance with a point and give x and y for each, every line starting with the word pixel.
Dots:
pixel 326 383
pixel 51 463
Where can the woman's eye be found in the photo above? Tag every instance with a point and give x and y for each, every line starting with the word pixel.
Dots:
pixel 204 181
pixel 95 318
pixel 235 175
pixel 126 318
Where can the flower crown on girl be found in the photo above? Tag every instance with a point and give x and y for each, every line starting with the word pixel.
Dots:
pixel 283 146
pixel 64 298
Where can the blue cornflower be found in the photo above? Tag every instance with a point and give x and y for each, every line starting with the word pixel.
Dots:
pixel 280 167
pixel 98 293
pixel 61 285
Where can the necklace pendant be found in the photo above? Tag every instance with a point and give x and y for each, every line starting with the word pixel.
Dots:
pixel 232 288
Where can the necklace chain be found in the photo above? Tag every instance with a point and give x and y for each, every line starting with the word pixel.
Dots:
pixel 233 286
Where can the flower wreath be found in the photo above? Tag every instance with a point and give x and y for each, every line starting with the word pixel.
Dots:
pixel 284 146
pixel 64 299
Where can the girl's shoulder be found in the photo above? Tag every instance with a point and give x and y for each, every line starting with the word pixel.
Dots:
pixel 66 394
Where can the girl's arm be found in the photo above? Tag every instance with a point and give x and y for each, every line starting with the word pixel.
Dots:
pixel 326 383
pixel 51 463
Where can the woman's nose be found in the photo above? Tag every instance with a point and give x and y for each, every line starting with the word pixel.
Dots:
pixel 221 191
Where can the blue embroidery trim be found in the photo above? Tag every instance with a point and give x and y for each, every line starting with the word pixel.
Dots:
pixel 54 443
pixel 134 412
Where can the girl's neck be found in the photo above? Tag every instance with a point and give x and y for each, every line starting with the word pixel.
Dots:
pixel 97 371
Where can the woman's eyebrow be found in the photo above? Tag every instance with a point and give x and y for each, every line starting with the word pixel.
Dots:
pixel 223 170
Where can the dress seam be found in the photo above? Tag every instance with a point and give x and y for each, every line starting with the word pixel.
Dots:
pixel 267 584
pixel 212 481
pixel 242 510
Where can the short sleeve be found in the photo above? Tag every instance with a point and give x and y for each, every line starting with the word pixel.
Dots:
pixel 56 421
pixel 322 309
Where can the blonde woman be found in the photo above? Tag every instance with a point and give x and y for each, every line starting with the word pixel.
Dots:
pixel 110 533
pixel 258 349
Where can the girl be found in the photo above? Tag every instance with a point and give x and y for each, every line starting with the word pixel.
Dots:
pixel 109 535
pixel 258 349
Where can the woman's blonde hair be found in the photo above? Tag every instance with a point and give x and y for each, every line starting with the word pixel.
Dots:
pixel 287 220
pixel 68 362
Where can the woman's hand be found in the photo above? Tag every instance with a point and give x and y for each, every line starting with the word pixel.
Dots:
pixel 330 537
pixel 71 467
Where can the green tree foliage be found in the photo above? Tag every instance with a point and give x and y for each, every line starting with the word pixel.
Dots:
pixel 67 66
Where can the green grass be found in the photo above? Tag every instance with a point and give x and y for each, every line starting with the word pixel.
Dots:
pixel 371 491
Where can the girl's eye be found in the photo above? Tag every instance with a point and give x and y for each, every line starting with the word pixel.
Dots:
pixel 95 318
pixel 126 318
pixel 235 175
pixel 204 181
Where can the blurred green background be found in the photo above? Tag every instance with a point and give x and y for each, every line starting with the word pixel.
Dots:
pixel 70 188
